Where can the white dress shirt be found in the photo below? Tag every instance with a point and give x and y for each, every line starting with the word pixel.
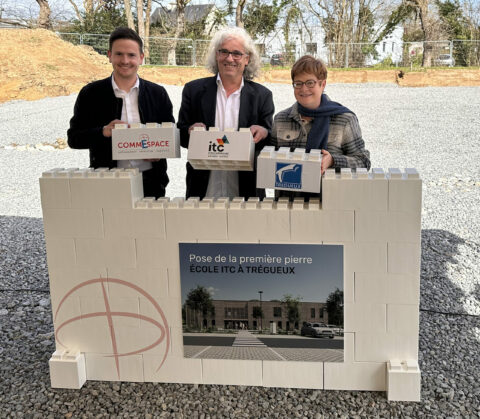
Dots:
pixel 224 183
pixel 131 115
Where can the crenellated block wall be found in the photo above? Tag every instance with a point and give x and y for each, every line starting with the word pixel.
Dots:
pixel 113 264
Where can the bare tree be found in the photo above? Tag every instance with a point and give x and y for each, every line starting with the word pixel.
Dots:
pixel 89 6
pixel 239 13
pixel 128 14
pixel 44 20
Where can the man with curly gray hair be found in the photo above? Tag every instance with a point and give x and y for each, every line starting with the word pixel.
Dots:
pixel 230 99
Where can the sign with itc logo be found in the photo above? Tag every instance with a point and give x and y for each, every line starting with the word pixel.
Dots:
pixel 221 150
pixel 152 141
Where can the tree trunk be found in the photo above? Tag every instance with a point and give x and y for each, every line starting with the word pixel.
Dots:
pixel 147 31
pixel 141 21
pixel 239 13
pixel 44 21
pixel 128 13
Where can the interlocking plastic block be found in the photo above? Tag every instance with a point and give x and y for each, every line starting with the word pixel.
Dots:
pixel 371 288
pixel 55 189
pixel 403 318
pixel 277 221
pixel 245 223
pixel 404 258
pixel 355 191
pixel 170 307
pixel 365 257
pixel 156 253
pixel 403 381
pixel 371 226
pixel 365 317
pixel 115 252
pixel 337 226
pixel 291 171
pixel 60 253
pixel 234 372
pixel 193 221
pixel 146 142
pixel 403 289
pixel 103 367
pixel 380 347
pixel 67 369
pixel 405 192
pixel 71 223
pixel 63 281
pixel 176 339
pixel 87 334
pixel 285 374
pixel 388 288
pixel 99 190
pixel 351 375
pixel 221 150
pixel 306 223
pixel 173 370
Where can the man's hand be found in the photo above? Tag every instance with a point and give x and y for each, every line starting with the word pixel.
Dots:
pixel 196 124
pixel 258 132
pixel 327 160
pixel 107 129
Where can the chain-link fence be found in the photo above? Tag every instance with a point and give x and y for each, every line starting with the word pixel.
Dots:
pixel 189 52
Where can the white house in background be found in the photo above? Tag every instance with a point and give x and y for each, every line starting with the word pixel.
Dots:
pixel 312 42
pixel 193 13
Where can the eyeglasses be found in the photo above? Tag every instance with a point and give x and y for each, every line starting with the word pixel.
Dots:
pixel 236 55
pixel 309 83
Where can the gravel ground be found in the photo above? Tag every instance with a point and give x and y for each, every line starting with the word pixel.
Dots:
pixel 436 130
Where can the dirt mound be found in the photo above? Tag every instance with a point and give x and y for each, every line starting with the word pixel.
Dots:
pixel 37 63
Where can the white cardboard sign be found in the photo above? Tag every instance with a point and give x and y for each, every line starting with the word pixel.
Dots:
pixel 289 171
pixel 221 150
pixel 150 141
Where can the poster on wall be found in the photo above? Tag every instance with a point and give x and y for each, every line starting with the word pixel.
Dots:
pixel 279 302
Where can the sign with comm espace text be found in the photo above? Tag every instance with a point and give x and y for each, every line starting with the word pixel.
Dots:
pixel 246 295
pixel 145 142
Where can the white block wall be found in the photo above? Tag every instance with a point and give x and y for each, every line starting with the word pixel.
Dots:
pixel 115 284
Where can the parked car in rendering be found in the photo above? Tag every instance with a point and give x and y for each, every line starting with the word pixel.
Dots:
pixel 277 59
pixel 337 330
pixel 316 330
pixel 445 60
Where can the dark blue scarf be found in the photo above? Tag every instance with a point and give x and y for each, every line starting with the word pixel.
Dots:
pixel 318 135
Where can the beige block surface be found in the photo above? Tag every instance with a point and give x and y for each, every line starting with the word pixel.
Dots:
pixel 234 372
pixel 381 347
pixel 55 193
pixel 101 367
pixel 403 318
pixel 352 375
pixel 73 223
pixel 60 252
pixel 404 258
pixel 365 317
pixel 287 374
pixel 173 370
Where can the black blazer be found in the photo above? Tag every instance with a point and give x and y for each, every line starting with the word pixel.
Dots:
pixel 97 105
pixel 198 105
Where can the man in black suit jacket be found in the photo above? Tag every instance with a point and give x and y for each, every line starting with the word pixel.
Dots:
pixel 227 100
pixel 102 104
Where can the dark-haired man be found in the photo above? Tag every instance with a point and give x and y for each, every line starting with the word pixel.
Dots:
pixel 121 98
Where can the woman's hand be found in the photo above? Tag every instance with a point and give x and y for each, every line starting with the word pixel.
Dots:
pixel 327 160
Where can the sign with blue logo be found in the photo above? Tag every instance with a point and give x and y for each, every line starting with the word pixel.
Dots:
pixel 288 175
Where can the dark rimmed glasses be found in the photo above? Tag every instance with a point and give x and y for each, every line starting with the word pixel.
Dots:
pixel 309 83
pixel 236 55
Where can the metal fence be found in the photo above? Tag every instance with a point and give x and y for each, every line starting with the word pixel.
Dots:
pixel 189 52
